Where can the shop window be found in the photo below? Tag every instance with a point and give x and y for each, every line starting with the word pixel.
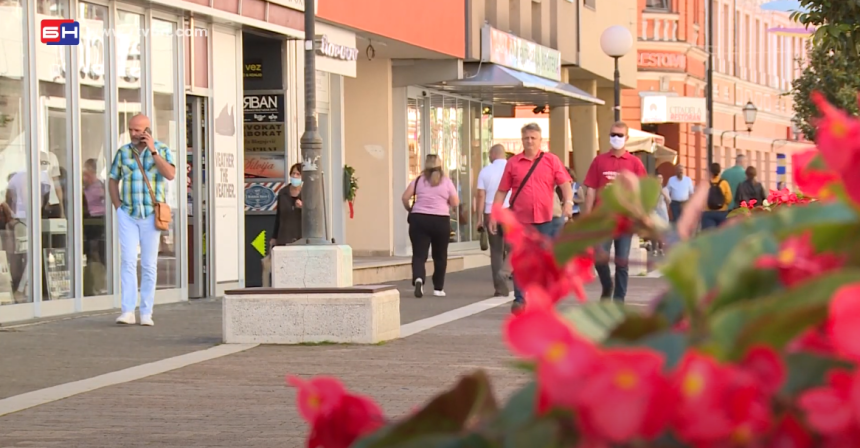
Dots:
pixel 14 176
pixel 95 152
pixel 165 126
pixel 55 157
pixel 659 5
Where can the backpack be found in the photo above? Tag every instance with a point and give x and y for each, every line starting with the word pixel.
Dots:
pixel 716 198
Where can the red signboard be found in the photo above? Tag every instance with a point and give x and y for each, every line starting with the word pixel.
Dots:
pixel 662 60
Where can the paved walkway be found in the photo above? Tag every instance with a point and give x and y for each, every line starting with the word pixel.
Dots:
pixel 238 400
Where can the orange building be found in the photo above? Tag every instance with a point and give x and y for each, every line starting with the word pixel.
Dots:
pixel 753 63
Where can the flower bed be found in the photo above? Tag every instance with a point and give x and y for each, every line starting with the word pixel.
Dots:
pixel 754 343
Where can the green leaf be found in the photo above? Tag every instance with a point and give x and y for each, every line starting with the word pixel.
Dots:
pixel 596 320
pixel 638 326
pixel 739 280
pixel 693 267
pixel 807 370
pixel 670 343
pixel 448 413
pixel 670 305
pixel 543 433
pixel 777 319
pixel 581 234
pixel 519 410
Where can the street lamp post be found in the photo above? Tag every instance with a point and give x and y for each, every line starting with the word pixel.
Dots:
pixel 616 41
pixel 750 113
pixel 313 217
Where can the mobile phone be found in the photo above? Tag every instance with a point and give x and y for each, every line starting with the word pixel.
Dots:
pixel 148 131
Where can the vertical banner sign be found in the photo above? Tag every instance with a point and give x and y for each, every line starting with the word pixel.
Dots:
pixel 225 172
pixel 264 123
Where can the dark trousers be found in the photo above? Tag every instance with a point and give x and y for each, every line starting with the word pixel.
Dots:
pixel 429 234
pixel 546 229
pixel 675 207
pixel 498 254
pixel 622 258
pixel 713 219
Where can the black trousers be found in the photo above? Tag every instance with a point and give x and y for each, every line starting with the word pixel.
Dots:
pixel 426 232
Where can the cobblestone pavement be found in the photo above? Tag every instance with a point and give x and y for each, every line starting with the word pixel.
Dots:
pixel 241 400
pixel 60 351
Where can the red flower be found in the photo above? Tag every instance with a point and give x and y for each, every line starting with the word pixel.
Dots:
pixel 789 433
pixel 844 321
pixel 750 205
pixel 797 261
pixel 838 140
pixel 534 263
pixel 337 418
pixel 626 397
pixel 719 404
pixel 782 197
pixel 563 357
pixel 811 181
pixel 813 340
pixel 829 408
pixel 766 366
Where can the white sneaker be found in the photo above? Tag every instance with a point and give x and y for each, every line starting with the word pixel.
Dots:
pixel 439 293
pixel 126 318
pixel 419 288
pixel 146 321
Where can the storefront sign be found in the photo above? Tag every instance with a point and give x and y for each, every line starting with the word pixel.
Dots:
pixel 263 108
pixel 265 166
pixel 252 68
pixel 261 197
pixel 332 50
pixel 662 60
pixel 673 109
pixel 517 53
pixel 338 52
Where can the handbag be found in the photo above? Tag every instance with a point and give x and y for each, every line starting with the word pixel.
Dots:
pixel 525 179
pixel 161 209
pixel 414 196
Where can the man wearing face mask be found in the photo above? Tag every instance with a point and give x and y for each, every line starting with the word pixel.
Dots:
pixel 601 173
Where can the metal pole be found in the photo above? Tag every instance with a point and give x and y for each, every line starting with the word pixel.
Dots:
pixel 313 218
pixel 709 101
pixel 617 92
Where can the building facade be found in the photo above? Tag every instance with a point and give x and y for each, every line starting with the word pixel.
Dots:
pixel 191 66
pixel 752 63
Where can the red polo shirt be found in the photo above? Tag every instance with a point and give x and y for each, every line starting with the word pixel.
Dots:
pixel 534 203
pixel 606 166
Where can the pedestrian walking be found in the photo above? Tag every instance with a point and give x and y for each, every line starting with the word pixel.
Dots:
pixel 531 177
pixel 488 184
pixel 680 190
pixel 601 173
pixel 735 176
pixel 751 189
pixel 429 200
pixel 719 198
pixel 141 168
pixel 662 211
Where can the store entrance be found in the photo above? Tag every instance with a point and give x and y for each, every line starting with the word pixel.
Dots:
pixel 197 196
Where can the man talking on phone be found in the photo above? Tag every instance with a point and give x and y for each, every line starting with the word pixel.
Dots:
pixel 135 210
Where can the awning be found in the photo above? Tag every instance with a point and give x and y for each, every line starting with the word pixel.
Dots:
pixel 641 141
pixel 501 85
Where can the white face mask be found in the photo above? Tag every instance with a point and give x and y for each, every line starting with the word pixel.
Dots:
pixel 617 142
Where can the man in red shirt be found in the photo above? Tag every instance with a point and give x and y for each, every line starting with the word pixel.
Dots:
pixel 532 195
pixel 602 172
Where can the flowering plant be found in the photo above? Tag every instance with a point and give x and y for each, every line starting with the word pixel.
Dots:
pixel 753 344
pixel 776 198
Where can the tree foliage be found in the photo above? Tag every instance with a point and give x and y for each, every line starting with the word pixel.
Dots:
pixel 837 23
pixel 833 72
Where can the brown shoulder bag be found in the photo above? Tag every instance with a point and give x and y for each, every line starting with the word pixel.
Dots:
pixel 162 210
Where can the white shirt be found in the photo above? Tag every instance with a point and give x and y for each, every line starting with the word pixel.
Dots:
pixel 680 190
pixel 488 180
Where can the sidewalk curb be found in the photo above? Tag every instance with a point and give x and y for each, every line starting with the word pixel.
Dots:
pixel 453 315
pixel 43 396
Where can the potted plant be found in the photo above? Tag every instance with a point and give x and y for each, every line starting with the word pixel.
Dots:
pixel 754 343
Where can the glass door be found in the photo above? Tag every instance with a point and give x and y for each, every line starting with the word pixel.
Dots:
pixel 196 195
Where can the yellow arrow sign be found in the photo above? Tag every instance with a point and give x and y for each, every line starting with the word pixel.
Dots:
pixel 259 243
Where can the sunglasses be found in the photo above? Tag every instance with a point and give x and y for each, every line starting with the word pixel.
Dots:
pixel 617 135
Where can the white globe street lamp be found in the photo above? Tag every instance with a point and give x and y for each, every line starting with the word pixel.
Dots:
pixel 616 41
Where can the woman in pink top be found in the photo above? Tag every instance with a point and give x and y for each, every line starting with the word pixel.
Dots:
pixel 429 199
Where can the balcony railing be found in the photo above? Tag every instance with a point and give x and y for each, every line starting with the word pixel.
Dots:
pixel 660 29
